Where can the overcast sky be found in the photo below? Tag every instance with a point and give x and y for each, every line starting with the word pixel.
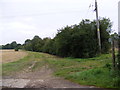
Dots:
pixel 23 19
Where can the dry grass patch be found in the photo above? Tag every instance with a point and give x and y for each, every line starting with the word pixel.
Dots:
pixel 11 55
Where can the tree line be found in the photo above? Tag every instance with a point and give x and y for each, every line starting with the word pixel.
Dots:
pixel 12 45
pixel 79 40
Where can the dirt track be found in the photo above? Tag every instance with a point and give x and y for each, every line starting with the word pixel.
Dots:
pixel 42 78
pixel 39 79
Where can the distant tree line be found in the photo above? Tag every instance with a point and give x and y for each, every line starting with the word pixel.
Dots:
pixel 12 45
pixel 78 41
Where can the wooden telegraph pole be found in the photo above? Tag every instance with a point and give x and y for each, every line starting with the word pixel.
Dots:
pixel 98 26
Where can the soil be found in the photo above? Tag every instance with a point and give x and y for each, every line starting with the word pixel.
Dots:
pixel 42 78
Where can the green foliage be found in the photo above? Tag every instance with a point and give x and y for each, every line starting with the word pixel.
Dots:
pixel 37 44
pixel 118 61
pixel 105 29
pixel 48 46
pixel 108 65
pixel 118 56
pixel 34 45
pixel 16 49
pixel 0 46
pixel 12 45
pixel 28 45
pixel 97 77
pixel 91 71
pixel 79 41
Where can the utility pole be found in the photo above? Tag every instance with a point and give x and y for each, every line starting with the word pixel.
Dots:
pixel 98 26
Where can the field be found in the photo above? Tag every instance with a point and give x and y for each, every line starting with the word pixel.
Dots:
pixel 91 72
pixel 11 55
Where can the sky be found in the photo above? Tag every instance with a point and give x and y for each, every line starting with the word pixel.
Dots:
pixel 23 19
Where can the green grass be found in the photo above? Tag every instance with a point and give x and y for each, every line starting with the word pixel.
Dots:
pixel 24 63
pixel 98 77
pixel 92 71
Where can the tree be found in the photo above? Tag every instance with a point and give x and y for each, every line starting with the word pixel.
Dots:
pixel 46 45
pixel 118 61
pixel 81 40
pixel 74 41
pixel 28 45
pixel 37 44
pixel 7 46
pixel 62 42
pixel 114 38
pixel 105 29
pixel 13 44
pixel 0 46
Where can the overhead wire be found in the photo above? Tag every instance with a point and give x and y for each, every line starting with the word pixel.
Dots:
pixel 50 13
pixel 89 9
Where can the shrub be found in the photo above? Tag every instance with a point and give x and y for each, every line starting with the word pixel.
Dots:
pixel 16 49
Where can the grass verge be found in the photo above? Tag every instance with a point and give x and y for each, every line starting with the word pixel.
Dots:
pixel 92 71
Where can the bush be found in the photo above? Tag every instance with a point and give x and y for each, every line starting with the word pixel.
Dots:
pixel 78 41
pixel 108 65
pixel 16 49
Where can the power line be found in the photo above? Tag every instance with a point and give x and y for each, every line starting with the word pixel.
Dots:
pixel 89 8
